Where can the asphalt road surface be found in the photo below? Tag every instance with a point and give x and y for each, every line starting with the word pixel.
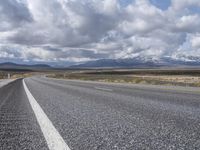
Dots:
pixel 5 81
pixel 98 116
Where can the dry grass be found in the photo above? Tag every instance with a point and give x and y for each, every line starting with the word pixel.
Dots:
pixel 156 77
pixel 14 75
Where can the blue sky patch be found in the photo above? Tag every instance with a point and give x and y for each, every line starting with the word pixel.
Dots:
pixel 162 4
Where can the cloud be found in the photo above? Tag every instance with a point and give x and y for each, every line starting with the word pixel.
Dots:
pixel 82 30
pixel 189 23
pixel 136 20
pixel 184 4
pixel 195 40
pixel 13 14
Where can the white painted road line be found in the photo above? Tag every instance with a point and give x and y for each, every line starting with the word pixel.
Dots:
pixel 52 136
pixel 103 89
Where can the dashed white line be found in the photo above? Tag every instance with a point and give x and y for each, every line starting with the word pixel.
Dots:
pixel 103 89
pixel 52 136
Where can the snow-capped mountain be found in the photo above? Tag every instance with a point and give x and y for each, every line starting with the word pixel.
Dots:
pixel 139 62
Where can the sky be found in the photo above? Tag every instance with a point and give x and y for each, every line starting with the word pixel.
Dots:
pixel 65 32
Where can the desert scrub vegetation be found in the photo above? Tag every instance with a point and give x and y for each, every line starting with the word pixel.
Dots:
pixel 14 75
pixel 3 75
pixel 156 77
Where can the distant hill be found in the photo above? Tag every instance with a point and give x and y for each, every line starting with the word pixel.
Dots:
pixel 137 63
pixel 14 66
pixel 117 63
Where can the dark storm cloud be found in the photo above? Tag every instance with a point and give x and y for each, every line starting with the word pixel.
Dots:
pixel 13 14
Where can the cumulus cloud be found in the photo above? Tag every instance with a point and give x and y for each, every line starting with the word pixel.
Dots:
pixel 184 4
pixel 13 14
pixel 195 40
pixel 83 30
pixel 189 23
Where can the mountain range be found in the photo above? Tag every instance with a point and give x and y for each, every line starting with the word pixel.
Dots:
pixel 139 62
pixel 14 66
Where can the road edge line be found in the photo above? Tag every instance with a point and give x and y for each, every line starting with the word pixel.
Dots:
pixel 52 136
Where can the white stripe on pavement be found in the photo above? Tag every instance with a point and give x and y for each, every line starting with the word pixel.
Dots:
pixel 52 136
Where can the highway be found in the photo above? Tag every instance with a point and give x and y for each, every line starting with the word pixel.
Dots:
pixel 38 112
